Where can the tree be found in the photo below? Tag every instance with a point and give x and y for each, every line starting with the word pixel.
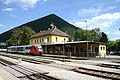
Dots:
pixel 15 38
pixel 114 46
pixel 104 38
pixel 80 35
pixel 90 35
pixel 21 36
pixel 94 35
pixel 111 46
pixel 118 45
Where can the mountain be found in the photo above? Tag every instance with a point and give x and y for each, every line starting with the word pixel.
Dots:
pixel 43 24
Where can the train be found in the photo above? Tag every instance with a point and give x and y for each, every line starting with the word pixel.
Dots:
pixel 26 49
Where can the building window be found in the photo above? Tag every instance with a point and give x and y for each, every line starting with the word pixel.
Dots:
pixel 37 41
pixel 64 40
pixel 42 40
pixel 96 49
pixel 56 39
pixel 48 39
pixel 101 48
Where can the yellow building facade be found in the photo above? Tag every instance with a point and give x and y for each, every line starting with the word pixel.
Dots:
pixel 50 36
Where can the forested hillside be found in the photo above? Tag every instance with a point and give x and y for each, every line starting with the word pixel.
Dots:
pixel 43 24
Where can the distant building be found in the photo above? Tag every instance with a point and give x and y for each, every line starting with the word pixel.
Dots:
pixel 50 36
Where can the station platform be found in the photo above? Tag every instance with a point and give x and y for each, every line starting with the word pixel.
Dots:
pixel 4 75
pixel 111 58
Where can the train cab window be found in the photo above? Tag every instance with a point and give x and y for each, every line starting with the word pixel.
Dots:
pixel 32 48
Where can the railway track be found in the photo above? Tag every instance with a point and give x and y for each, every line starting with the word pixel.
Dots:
pixel 109 66
pixel 6 63
pixel 27 59
pixel 25 72
pixel 98 73
pixel 32 74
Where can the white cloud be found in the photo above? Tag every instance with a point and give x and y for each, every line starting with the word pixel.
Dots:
pixel 89 11
pixel 116 33
pixel 45 0
pixel 117 0
pixel 115 38
pixel 25 4
pixel 94 11
pixel 8 9
pixel 103 21
pixel 1 25
pixel 12 15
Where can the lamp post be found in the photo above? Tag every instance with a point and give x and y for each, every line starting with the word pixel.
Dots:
pixel 63 51
pixel 87 37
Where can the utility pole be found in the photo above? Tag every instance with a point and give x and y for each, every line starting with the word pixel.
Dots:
pixel 87 37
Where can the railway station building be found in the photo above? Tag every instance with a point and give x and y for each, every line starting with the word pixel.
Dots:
pixel 56 42
pixel 50 36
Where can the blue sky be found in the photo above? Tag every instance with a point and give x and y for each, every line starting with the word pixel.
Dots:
pixel 104 14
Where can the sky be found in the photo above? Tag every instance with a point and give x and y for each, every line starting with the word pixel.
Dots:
pixel 103 14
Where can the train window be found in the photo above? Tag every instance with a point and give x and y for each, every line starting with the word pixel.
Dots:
pixel 13 49
pixel 20 49
pixel 27 48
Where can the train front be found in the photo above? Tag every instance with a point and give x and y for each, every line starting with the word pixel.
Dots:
pixel 40 49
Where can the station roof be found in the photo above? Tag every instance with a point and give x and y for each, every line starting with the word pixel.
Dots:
pixel 79 42
pixel 53 31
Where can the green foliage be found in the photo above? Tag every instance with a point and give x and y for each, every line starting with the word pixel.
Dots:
pixel 104 38
pixel 43 24
pixel 118 45
pixel 21 36
pixel 88 35
pixel 80 35
pixel 113 45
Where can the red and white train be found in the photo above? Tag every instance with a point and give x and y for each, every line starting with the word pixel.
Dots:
pixel 26 49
